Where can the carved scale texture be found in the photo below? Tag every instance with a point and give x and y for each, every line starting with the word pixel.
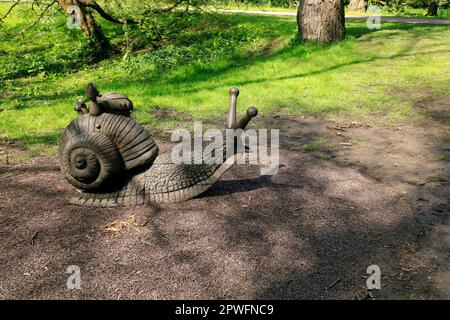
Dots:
pixel 163 182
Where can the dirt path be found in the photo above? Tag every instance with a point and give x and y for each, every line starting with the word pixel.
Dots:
pixel 383 18
pixel 323 219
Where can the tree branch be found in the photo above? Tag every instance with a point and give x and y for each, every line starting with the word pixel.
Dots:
pixel 10 9
pixel 39 18
pixel 94 5
pixel 168 9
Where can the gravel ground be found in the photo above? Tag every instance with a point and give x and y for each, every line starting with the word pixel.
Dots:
pixel 309 232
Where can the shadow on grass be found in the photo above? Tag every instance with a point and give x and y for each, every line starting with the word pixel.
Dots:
pixel 202 76
pixel 203 73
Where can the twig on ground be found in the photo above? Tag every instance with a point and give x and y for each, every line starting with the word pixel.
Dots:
pixel 334 283
pixel 340 134
pixel 31 238
pixel 117 225
pixel 339 128
pixel 9 10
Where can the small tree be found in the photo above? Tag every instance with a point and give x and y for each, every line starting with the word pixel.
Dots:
pixel 100 44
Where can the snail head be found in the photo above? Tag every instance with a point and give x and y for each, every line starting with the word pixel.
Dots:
pixel 231 121
pixel 95 109
pixel 92 92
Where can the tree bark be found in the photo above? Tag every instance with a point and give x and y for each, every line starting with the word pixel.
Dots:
pixel 100 44
pixel 357 5
pixel 432 8
pixel 321 20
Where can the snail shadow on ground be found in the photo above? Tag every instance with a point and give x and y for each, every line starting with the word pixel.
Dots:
pixel 312 232
pixel 227 187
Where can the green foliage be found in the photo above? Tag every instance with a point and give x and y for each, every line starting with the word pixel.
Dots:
pixel 45 48
pixel 316 145
pixel 372 72
pixel 413 8
pixel 398 4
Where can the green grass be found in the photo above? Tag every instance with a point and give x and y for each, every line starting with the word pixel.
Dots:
pixel 315 145
pixel 381 73
pixel 252 7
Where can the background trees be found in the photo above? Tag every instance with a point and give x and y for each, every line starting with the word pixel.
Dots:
pixel 188 64
pixel 154 18
pixel 357 5
pixel 157 20
pixel 433 8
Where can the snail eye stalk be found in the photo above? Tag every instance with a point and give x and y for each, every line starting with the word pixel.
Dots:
pixel 92 92
pixel 231 119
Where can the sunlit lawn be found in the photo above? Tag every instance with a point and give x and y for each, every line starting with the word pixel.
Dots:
pixel 381 74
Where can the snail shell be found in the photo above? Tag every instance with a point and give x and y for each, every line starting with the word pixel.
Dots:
pixel 89 160
pixel 115 103
pixel 94 150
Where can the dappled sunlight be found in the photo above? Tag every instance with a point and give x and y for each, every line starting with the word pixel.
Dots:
pixel 298 78
pixel 363 168
pixel 287 236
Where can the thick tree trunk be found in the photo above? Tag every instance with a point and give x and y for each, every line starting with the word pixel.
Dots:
pixel 321 20
pixel 357 5
pixel 432 8
pixel 100 44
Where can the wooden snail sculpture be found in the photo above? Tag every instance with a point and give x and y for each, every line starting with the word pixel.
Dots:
pixel 114 161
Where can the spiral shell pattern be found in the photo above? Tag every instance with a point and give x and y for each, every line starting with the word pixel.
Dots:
pixel 94 150
pixel 90 160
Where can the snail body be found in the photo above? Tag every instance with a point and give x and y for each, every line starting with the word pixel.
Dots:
pixel 163 182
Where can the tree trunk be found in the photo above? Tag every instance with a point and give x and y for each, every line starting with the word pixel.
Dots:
pixel 357 5
pixel 433 8
pixel 99 43
pixel 321 20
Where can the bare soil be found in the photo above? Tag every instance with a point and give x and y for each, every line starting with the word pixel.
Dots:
pixel 309 232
